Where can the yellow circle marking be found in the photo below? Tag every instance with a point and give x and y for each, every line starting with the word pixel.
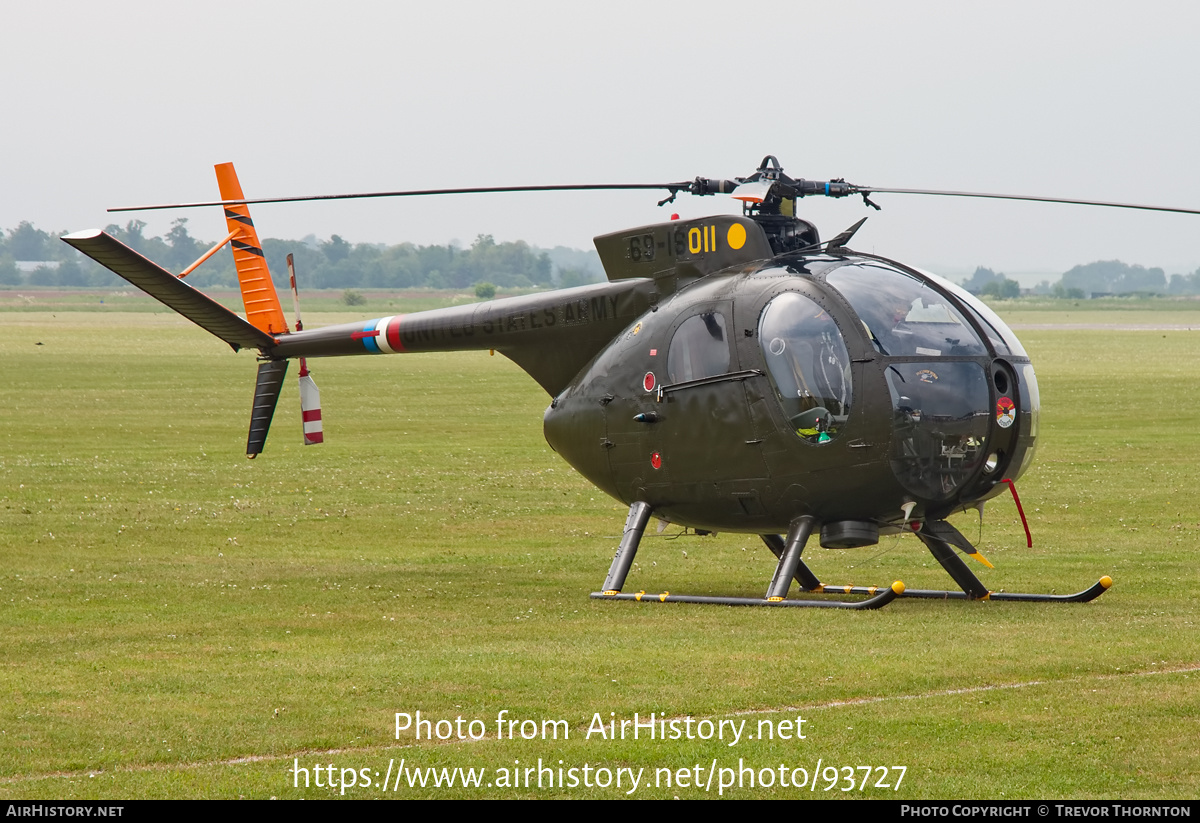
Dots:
pixel 736 236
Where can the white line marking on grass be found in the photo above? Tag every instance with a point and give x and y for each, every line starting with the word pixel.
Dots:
pixel 863 701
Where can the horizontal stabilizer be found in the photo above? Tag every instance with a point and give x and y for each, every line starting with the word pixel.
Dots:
pixel 169 290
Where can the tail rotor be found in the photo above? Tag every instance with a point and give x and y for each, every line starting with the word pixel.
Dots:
pixel 310 395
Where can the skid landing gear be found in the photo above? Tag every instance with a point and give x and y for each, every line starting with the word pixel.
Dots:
pixel 790 566
pixel 941 539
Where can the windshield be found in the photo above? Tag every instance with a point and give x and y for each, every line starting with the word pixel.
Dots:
pixel 940 414
pixel 1002 337
pixel 903 316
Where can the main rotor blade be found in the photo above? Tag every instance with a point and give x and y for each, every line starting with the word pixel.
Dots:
pixel 1034 198
pixel 699 186
pixel 673 187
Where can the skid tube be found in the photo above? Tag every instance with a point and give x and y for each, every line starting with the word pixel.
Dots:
pixel 1090 593
pixel 879 599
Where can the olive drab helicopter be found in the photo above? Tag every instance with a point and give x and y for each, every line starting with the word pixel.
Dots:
pixel 734 373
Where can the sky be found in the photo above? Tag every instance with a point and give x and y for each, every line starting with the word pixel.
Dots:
pixel 131 102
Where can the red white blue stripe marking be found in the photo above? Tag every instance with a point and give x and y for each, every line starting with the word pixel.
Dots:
pixel 381 336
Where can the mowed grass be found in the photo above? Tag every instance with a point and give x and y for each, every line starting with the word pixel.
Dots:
pixel 179 621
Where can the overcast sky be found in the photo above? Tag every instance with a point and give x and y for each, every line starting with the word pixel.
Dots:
pixel 121 103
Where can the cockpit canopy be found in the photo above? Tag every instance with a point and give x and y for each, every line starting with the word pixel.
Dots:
pixel 935 346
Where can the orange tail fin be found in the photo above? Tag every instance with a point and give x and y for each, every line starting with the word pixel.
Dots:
pixel 258 292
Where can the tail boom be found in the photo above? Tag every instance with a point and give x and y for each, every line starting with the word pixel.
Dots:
pixel 550 335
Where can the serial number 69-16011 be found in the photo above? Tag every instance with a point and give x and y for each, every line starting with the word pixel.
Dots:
pixel 678 241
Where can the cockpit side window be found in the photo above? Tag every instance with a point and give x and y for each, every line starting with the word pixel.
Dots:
pixel 903 316
pixel 699 348
pixel 809 365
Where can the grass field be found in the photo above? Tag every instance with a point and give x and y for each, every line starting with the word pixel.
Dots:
pixel 182 622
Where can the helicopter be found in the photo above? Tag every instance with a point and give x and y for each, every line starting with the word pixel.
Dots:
pixel 734 373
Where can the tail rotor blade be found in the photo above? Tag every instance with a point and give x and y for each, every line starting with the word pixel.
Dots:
pixel 295 292
pixel 310 408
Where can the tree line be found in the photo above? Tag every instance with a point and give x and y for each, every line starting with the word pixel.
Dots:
pixel 338 264
pixel 329 264
pixel 1102 278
